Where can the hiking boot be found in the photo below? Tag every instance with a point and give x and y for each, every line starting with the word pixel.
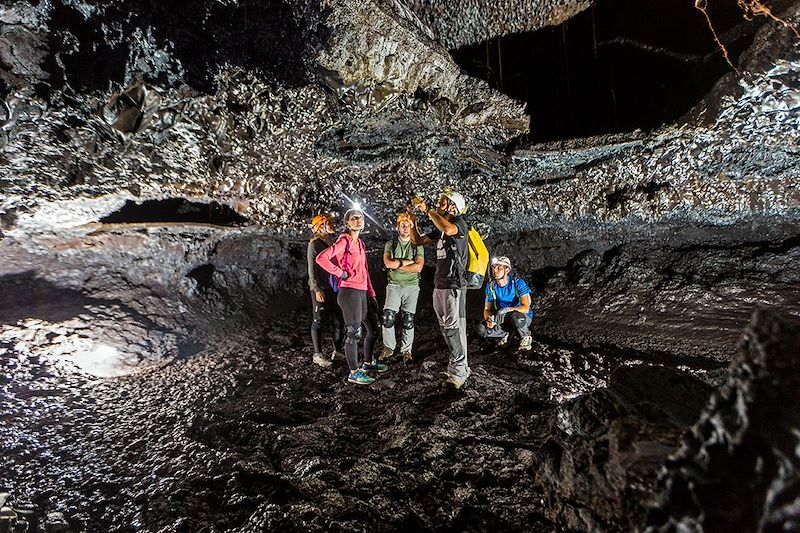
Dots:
pixel 321 360
pixel 359 377
pixel 387 353
pixel 407 357
pixel 503 341
pixel 525 343
pixel 456 382
pixel 375 366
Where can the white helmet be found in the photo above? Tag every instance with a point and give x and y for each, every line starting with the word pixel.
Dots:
pixel 457 199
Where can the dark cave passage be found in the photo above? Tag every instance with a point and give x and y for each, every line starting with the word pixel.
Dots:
pixel 204 276
pixel 175 210
pixel 619 66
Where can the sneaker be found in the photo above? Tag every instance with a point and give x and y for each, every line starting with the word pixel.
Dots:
pixel 359 377
pixel 375 366
pixel 337 353
pixel 457 383
pixel 503 341
pixel 525 343
pixel 387 353
pixel 407 357
pixel 321 360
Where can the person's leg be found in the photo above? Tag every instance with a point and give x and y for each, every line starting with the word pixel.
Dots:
pixel 408 306
pixel 350 303
pixel 316 324
pixel 334 313
pixel 519 322
pixel 390 310
pixel 462 324
pixel 354 306
pixel 495 333
pixel 522 325
pixel 446 307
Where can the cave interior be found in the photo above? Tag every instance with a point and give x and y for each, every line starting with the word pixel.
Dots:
pixel 161 164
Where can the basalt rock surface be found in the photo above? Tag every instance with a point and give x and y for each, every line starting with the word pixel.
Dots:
pixel 604 449
pixel 458 23
pixel 737 469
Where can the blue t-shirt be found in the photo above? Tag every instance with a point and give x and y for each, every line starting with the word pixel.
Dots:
pixel 507 296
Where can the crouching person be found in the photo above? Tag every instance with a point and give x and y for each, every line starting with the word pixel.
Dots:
pixel 403 261
pixel 507 306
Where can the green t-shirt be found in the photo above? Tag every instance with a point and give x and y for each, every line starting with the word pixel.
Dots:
pixel 403 251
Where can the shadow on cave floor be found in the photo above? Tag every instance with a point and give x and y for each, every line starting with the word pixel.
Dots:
pixel 25 295
pixel 249 434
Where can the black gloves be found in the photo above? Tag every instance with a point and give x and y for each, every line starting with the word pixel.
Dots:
pixel 344 275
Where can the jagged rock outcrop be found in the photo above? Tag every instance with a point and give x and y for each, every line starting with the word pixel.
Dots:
pixel 604 449
pixel 737 469
pixel 467 22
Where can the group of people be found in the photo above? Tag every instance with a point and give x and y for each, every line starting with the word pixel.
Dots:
pixel 343 298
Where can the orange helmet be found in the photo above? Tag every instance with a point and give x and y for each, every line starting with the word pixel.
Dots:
pixel 319 221
pixel 404 217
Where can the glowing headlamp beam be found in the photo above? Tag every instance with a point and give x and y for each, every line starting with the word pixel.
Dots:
pixel 357 205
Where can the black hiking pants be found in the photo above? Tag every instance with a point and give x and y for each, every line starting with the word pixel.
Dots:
pixel 326 315
pixel 358 317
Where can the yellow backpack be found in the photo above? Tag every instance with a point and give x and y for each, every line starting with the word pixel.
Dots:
pixel 477 259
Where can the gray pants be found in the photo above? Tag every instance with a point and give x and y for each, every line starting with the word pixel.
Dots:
pixel 401 298
pixel 450 306
pixel 506 323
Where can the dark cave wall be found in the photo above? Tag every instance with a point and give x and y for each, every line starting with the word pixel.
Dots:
pixel 104 44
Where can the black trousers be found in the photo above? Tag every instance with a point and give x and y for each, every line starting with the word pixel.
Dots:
pixel 326 315
pixel 357 312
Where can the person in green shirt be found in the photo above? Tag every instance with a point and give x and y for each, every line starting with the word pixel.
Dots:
pixel 403 261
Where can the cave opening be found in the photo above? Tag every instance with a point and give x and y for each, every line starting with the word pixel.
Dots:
pixel 618 66
pixel 175 210
pixel 204 276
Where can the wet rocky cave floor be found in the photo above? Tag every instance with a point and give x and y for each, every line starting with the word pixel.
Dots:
pixel 248 435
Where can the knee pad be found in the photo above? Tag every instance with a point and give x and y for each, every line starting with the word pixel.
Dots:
pixel 389 318
pixel 519 320
pixel 408 320
pixel 353 334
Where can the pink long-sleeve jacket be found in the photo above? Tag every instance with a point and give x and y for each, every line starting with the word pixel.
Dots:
pixel 351 256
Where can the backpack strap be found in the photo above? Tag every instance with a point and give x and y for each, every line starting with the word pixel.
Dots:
pixel 494 295
pixel 396 243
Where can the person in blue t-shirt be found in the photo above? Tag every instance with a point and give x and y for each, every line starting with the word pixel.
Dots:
pixel 508 306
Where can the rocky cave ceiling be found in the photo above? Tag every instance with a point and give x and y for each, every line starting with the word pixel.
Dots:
pixel 159 164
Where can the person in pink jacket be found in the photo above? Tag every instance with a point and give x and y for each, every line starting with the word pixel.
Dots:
pixel 346 259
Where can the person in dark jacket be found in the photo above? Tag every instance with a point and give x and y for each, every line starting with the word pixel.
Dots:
pixel 325 310
pixel 450 278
